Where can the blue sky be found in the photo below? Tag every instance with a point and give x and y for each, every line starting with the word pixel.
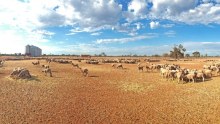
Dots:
pixel 116 27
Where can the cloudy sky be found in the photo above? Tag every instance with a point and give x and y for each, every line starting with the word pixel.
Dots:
pixel 116 27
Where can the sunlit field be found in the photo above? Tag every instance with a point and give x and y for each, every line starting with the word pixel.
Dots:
pixel 106 95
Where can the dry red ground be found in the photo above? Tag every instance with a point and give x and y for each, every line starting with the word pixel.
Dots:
pixel 108 95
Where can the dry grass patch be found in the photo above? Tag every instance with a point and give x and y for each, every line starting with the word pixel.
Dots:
pixel 135 87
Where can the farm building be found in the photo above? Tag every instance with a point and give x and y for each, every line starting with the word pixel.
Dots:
pixel 32 50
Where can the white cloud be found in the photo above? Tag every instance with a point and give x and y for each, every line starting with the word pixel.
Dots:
pixel 171 7
pixel 26 15
pixel 168 25
pixel 44 32
pixel 34 14
pixel 204 13
pixel 93 13
pixel 139 25
pixel 128 28
pixel 14 41
pixel 210 48
pixel 72 33
pixel 189 12
pixel 154 25
pixel 124 40
pixel 170 33
pixel 137 9
pixel 96 33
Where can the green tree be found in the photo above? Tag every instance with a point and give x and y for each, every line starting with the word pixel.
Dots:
pixel 156 55
pixel 196 54
pixel 135 55
pixel 187 55
pixel 178 51
pixel 102 54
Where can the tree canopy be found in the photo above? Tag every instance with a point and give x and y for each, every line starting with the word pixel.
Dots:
pixel 196 54
pixel 178 51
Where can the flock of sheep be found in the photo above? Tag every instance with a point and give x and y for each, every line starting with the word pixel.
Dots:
pixel 167 71
pixel 172 71
pixel 84 71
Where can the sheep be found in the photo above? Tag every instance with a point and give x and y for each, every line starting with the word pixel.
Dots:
pixel 119 66
pixel 153 67
pixel 20 73
pixel 206 67
pixel 85 71
pixel 207 72
pixel 114 65
pixel 45 66
pixel 2 63
pixel 140 68
pixel 180 75
pixel 36 63
pixel 47 70
pixel 48 60
pixel 75 65
pixel 170 74
pixel 147 68
pixel 215 69
pixel 163 72
pixel 191 76
pixel 158 66
pixel 16 71
pixel 200 75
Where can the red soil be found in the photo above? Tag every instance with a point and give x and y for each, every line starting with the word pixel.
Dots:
pixel 108 95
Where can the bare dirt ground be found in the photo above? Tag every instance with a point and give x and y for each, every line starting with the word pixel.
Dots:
pixel 108 95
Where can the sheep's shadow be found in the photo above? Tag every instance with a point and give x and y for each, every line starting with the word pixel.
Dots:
pixel 93 76
pixel 34 78
pixel 55 77
pixel 148 72
pixel 198 81
pixel 96 64
pixel 215 75
pixel 124 68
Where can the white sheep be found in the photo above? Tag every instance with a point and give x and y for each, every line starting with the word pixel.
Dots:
pixel 45 66
pixel 47 70
pixel 191 76
pixel 200 75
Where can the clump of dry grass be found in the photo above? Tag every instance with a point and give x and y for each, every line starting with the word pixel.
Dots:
pixel 134 87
